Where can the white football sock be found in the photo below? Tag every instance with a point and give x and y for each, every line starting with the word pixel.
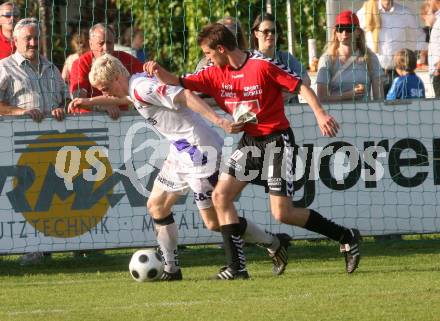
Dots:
pixel 254 234
pixel 167 239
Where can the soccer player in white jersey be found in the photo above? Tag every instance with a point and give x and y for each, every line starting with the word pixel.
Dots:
pixel 193 159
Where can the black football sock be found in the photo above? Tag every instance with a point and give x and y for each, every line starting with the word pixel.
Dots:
pixel 319 224
pixel 233 245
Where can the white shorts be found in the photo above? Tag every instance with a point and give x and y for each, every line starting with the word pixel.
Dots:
pixel 170 179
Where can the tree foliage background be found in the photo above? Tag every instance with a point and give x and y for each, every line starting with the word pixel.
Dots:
pixel 171 27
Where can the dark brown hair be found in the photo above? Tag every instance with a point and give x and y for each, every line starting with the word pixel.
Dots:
pixel 258 20
pixel 216 34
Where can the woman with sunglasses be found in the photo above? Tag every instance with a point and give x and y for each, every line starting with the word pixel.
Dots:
pixel 348 70
pixel 266 37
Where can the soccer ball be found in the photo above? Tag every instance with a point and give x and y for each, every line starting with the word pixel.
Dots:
pixel 146 265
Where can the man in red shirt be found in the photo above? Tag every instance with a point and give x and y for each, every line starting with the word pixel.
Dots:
pixel 102 40
pixel 9 15
pixel 249 86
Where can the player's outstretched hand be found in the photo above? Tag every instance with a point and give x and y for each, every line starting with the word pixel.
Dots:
pixel 327 124
pixel 151 67
pixel 231 127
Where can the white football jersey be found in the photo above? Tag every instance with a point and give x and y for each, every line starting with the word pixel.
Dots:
pixel 192 140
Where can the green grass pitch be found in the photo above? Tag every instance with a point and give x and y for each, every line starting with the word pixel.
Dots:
pixel 396 280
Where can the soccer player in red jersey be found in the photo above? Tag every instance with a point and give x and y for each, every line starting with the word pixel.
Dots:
pixel 249 86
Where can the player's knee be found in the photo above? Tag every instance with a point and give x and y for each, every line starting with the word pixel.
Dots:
pixel 220 198
pixel 279 215
pixel 212 226
pixel 154 208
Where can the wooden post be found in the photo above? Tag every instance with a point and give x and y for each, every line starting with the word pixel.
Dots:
pixel 44 12
pixel 290 28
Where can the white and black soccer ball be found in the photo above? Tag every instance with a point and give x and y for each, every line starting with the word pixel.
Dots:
pixel 146 265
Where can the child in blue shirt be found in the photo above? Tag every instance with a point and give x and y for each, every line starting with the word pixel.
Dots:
pixel 408 85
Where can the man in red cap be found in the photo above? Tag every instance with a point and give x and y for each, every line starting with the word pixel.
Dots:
pixel 348 18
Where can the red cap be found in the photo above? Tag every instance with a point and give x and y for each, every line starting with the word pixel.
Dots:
pixel 347 18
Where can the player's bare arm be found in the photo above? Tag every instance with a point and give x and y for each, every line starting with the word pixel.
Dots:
pixel 107 103
pixel 152 68
pixel 103 101
pixel 196 104
pixel 327 124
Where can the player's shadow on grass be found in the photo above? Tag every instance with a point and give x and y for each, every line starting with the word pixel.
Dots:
pixel 117 260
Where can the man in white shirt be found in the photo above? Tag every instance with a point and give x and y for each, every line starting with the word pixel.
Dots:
pixel 434 49
pixel 399 29
pixel 29 83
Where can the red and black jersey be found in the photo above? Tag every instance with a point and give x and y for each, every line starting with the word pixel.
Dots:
pixel 258 84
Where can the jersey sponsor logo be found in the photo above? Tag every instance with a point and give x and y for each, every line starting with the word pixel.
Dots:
pixel 200 197
pixel 250 106
pixel 166 182
pixel 416 92
pixel 226 91
pixel 233 160
pixel 274 183
pixel 253 90
pixel 151 121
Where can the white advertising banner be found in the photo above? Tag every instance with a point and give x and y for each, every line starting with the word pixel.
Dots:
pixel 83 183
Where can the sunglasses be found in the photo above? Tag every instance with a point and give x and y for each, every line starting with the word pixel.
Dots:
pixel 267 31
pixel 346 28
pixel 9 15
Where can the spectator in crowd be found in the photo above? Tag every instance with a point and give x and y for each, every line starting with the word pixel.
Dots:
pixel 134 38
pixel 29 83
pixel 390 27
pixel 9 14
pixel 348 70
pixel 434 49
pixel 427 15
pixel 80 45
pixel 235 27
pixel 266 37
pixel 102 40
pixel 408 85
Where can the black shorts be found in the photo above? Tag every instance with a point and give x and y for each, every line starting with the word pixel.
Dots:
pixel 266 160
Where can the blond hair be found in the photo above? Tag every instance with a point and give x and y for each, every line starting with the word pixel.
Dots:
pixel 373 22
pixel 359 45
pixel 105 70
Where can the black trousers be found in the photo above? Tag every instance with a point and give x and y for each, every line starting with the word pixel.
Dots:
pixel 436 85
pixel 390 74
